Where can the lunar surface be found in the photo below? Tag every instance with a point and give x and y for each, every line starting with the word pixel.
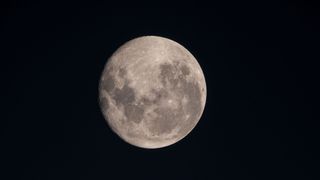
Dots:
pixel 152 92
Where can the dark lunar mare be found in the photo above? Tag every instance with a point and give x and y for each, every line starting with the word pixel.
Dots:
pixel 124 96
pixel 171 76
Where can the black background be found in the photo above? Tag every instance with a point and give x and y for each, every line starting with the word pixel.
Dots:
pixel 259 60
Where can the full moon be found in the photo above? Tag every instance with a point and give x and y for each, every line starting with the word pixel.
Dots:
pixel 152 92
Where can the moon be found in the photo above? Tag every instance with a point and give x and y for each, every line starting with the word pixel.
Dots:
pixel 152 92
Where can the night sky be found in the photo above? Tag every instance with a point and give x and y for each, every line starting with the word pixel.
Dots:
pixel 259 61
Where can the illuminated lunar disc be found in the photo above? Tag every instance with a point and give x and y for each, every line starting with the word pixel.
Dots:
pixel 152 92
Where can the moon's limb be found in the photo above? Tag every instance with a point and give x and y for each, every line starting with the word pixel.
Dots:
pixel 152 92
